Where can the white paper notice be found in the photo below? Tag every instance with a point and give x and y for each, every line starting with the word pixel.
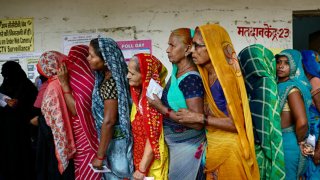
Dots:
pixel 154 88
pixel 103 170
pixel 148 178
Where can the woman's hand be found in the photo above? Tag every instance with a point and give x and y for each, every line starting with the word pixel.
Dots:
pixel 12 102
pixel 187 116
pixel 138 175
pixel 156 103
pixel 97 163
pixel 34 121
pixel 64 77
pixel 316 156
pixel 303 149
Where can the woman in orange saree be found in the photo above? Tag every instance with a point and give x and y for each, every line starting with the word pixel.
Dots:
pixel 230 152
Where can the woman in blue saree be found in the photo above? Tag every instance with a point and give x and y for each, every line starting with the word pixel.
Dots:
pixel 110 107
pixel 295 100
pixel 312 71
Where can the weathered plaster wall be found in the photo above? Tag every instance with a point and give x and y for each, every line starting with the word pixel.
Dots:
pixel 152 19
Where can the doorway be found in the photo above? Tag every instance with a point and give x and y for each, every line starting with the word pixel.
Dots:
pixel 306 30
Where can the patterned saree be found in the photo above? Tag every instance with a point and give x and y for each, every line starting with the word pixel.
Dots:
pixel 146 122
pixel 259 68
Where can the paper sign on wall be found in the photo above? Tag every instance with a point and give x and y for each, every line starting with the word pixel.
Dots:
pixel 130 48
pixel 78 39
pixel 16 35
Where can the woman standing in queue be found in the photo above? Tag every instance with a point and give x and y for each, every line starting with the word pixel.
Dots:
pixel 312 71
pixel 230 153
pixel 77 83
pixel 295 100
pixel 150 154
pixel 258 66
pixel 110 108
pixel 56 142
pixel 186 141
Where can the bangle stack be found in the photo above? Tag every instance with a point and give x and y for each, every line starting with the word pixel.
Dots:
pixel 168 112
pixel 99 158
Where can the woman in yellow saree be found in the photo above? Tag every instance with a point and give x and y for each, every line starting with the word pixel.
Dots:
pixel 230 152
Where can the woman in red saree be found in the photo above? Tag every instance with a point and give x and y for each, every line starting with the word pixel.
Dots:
pixel 55 111
pixel 150 154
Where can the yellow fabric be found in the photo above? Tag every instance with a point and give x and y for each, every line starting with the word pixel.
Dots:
pixel 229 155
pixel 160 167
pixel 286 107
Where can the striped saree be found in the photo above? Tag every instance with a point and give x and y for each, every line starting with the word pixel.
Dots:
pixel 81 82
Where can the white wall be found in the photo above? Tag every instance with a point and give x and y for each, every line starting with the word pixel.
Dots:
pixel 152 19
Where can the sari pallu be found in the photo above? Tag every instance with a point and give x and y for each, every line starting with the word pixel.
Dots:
pixel 294 161
pixel 185 144
pixel 229 155
pixel 146 121
pixel 259 67
pixel 81 82
pixel 119 153
pixel 312 67
pixel 55 110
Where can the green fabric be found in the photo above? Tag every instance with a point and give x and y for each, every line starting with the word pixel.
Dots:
pixel 297 80
pixel 175 96
pixel 259 67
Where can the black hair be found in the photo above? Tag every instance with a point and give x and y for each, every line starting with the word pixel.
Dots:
pixel 277 56
pixel 95 44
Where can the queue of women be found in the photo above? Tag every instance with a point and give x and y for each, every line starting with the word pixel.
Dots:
pixel 222 115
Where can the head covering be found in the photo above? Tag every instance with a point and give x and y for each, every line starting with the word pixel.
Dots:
pixel 115 63
pixel 225 63
pixel 309 60
pixel 55 110
pixel 81 81
pixel 12 71
pixel 297 79
pixel 49 63
pixel 14 78
pixel 41 91
pixel 259 67
pixel 150 118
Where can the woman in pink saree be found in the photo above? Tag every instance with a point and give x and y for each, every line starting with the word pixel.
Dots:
pixel 77 83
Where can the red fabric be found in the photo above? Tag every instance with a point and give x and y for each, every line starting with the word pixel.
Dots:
pixel 81 82
pixel 41 91
pixel 54 109
pixel 148 121
pixel 57 117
